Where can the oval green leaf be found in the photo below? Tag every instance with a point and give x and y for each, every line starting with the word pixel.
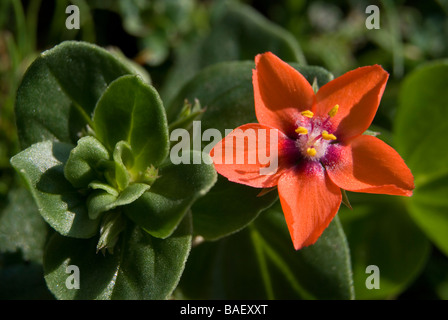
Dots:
pixel 420 136
pixel 60 90
pixel 59 203
pixel 131 111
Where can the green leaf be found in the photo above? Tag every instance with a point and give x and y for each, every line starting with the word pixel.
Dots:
pixel 101 201
pixel 142 267
pixel 59 203
pixel 420 125
pixel 381 233
pixel 123 158
pixel 131 111
pixel 429 209
pixel 161 208
pixel 227 208
pixel 225 91
pixel 420 130
pixel 260 262
pixel 97 185
pixel 112 224
pixel 21 226
pixel 238 32
pixel 84 162
pixel 60 90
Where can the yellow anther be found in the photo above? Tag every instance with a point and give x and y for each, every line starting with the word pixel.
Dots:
pixel 333 111
pixel 328 136
pixel 311 152
pixel 307 113
pixel 301 130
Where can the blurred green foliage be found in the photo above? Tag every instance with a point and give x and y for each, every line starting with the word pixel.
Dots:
pixel 173 40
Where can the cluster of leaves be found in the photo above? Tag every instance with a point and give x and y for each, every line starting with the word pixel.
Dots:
pixel 94 134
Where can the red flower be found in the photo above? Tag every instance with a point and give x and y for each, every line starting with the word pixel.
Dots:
pixel 320 144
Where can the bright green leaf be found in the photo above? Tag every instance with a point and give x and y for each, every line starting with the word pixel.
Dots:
pixel 420 132
pixel 97 185
pixel 59 203
pixel 123 159
pixel 429 208
pixel 131 111
pixel 421 124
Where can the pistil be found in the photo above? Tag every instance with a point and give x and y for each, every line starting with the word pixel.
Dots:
pixel 312 139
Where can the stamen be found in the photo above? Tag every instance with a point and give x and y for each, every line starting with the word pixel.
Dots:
pixel 333 111
pixel 302 130
pixel 311 152
pixel 328 136
pixel 307 113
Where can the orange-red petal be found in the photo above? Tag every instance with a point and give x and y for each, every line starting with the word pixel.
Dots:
pixel 247 155
pixel 370 165
pixel 280 93
pixel 309 201
pixel 358 94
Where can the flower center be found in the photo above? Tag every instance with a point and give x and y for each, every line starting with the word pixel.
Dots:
pixel 313 136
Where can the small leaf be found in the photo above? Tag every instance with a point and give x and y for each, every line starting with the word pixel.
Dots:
pixel 141 267
pixel 187 115
pixel 345 199
pixel 59 203
pixel 83 164
pixel 160 210
pixel 96 185
pixel 112 224
pixel 100 201
pixel 131 111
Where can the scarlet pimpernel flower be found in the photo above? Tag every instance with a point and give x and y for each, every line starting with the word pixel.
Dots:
pixel 318 142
